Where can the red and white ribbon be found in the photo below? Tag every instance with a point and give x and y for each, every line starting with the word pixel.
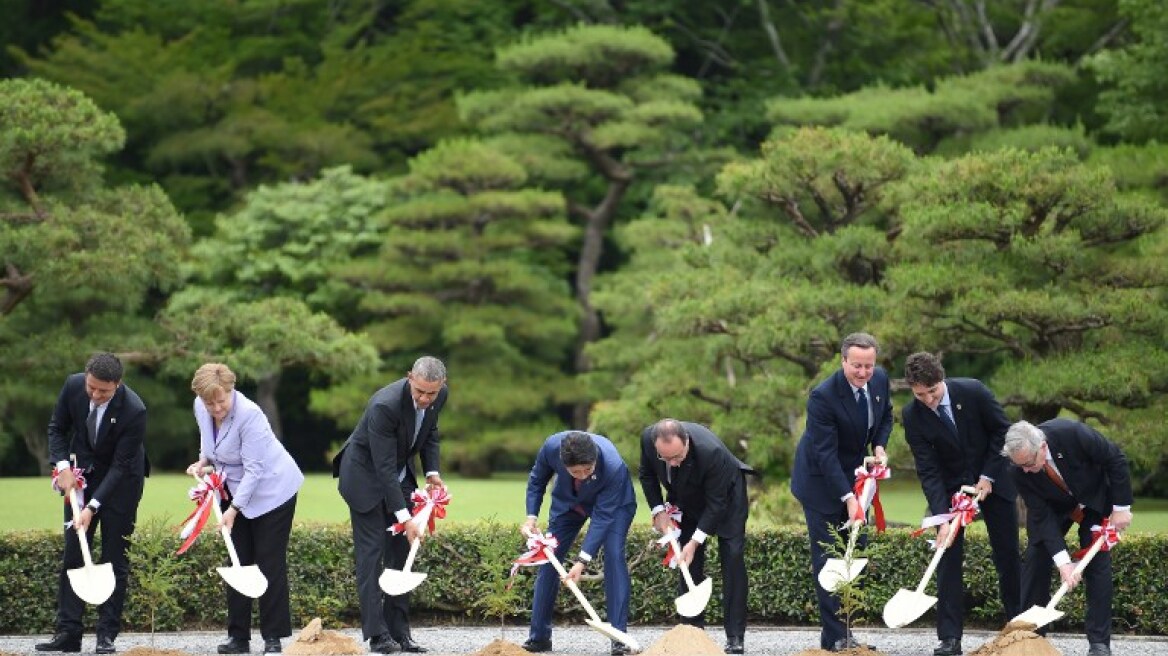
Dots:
pixel 79 476
pixel 961 506
pixel 437 498
pixel 870 498
pixel 666 541
pixel 203 496
pixel 534 556
pixel 1110 538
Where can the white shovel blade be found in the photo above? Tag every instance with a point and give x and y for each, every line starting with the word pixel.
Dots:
pixel 93 583
pixel 692 603
pixel 1039 616
pixel 615 633
pixel 905 607
pixel 395 582
pixel 836 572
pixel 247 580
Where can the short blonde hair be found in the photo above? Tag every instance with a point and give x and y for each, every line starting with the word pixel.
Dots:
pixel 211 378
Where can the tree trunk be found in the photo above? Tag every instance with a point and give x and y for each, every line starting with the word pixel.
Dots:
pixel 37 443
pixel 266 389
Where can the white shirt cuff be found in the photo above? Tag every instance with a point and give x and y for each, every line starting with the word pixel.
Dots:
pixel 402 516
pixel 431 473
pixel 62 465
pixel 584 556
pixel 849 495
pixel 987 478
pixel 699 536
pixel 1062 558
pixel 1121 509
pixel 656 509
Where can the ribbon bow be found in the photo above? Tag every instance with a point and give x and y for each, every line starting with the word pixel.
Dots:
pixel 1110 538
pixel 877 473
pixel 534 555
pixel 78 475
pixel 674 533
pixel 436 498
pixel 203 496
pixel 961 506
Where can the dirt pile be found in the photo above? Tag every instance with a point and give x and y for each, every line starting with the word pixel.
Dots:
pixel 1017 639
pixel 501 648
pixel 150 651
pixel 314 640
pixel 862 650
pixel 684 640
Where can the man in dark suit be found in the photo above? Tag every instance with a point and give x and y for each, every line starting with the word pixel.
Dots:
pixel 956 430
pixel 592 482
pixel 708 484
pixel 376 472
pixel 100 423
pixel 847 414
pixel 1067 472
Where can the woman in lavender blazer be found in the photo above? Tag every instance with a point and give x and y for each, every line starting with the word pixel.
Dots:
pixel 262 481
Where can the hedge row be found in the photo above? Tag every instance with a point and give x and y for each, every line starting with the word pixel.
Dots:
pixel 468 567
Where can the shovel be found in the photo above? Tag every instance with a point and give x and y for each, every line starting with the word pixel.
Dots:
pixel 693 602
pixel 396 582
pixel 248 580
pixel 93 583
pixel 593 619
pixel 1040 616
pixel 838 572
pixel 907 605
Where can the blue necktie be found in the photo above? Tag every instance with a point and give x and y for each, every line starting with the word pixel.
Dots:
pixel 862 404
pixel 91 426
pixel 943 413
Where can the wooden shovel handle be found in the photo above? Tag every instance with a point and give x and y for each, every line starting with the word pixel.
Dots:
pixel 1079 567
pixel 551 556
pixel 80 534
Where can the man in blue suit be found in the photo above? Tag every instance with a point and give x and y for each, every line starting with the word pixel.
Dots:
pixel 592 481
pixel 847 414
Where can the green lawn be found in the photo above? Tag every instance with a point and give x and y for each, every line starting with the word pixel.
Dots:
pixel 29 503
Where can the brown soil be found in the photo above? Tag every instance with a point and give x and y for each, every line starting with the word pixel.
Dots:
pixel 150 651
pixel 684 640
pixel 1017 639
pixel 501 648
pixel 857 651
pixel 313 640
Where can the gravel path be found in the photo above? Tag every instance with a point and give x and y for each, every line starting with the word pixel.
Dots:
pixel 578 641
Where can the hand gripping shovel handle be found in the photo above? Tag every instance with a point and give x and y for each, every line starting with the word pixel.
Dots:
pixel 684 567
pixel 954 526
pixel 551 556
pixel 80 534
pixel 225 531
pixel 421 519
pixel 1082 565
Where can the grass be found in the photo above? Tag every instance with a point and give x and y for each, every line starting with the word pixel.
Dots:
pixel 30 504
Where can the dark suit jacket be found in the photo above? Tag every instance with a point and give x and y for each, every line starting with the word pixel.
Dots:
pixel 946 461
pixel 705 486
pixel 117 466
pixel 837 439
pixel 608 490
pixel 1092 466
pixel 369 462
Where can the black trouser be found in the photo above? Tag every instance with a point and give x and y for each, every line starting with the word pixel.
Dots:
pixel 732 553
pixel 116 519
pixel 1001 519
pixel 375 549
pixel 263 541
pixel 820 530
pixel 1036 581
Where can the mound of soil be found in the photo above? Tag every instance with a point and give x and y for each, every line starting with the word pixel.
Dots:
pixel 1017 639
pixel 150 651
pixel 501 648
pixel 313 640
pixel 684 640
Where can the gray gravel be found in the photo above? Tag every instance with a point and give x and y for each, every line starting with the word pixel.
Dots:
pixel 576 640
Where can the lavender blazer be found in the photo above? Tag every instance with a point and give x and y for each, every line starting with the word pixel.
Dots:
pixel 260 473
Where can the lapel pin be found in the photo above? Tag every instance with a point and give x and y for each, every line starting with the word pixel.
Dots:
pixel 878 399
pixel 958 406
pixel 113 420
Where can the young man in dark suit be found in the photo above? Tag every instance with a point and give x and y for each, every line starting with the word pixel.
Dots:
pixel 592 484
pixel 376 472
pixel 102 424
pixel 847 414
pixel 1068 473
pixel 956 430
pixel 708 484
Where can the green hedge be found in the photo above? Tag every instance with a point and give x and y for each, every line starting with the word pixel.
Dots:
pixel 467 562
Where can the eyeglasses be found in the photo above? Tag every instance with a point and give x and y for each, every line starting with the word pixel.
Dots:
pixel 675 460
pixel 1038 461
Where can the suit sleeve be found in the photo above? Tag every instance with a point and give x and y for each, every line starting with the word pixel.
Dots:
pixel 127 454
pixel 604 510
pixel 883 424
pixel 993 419
pixel 1111 459
pixel 254 431
pixel 647 472
pixel 720 475
pixel 823 435
pixel 61 427
pixel 537 480
pixel 927 462
pixel 430 450
pixel 383 432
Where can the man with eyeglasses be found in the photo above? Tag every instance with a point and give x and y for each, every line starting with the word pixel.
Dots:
pixel 956 428
pixel 708 484
pixel 592 483
pixel 1068 473
pixel 376 476
pixel 847 414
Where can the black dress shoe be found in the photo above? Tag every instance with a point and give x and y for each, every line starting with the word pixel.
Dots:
pixel 235 646
pixel 734 645
pixel 537 646
pixel 620 649
pixel 1099 649
pixel 407 644
pixel 383 644
pixel 272 646
pixel 843 644
pixel 948 647
pixel 62 641
pixel 105 645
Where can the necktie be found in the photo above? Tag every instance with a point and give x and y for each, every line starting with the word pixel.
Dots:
pixel 91 425
pixel 862 404
pixel 943 413
pixel 1055 478
pixel 579 509
pixel 418 416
